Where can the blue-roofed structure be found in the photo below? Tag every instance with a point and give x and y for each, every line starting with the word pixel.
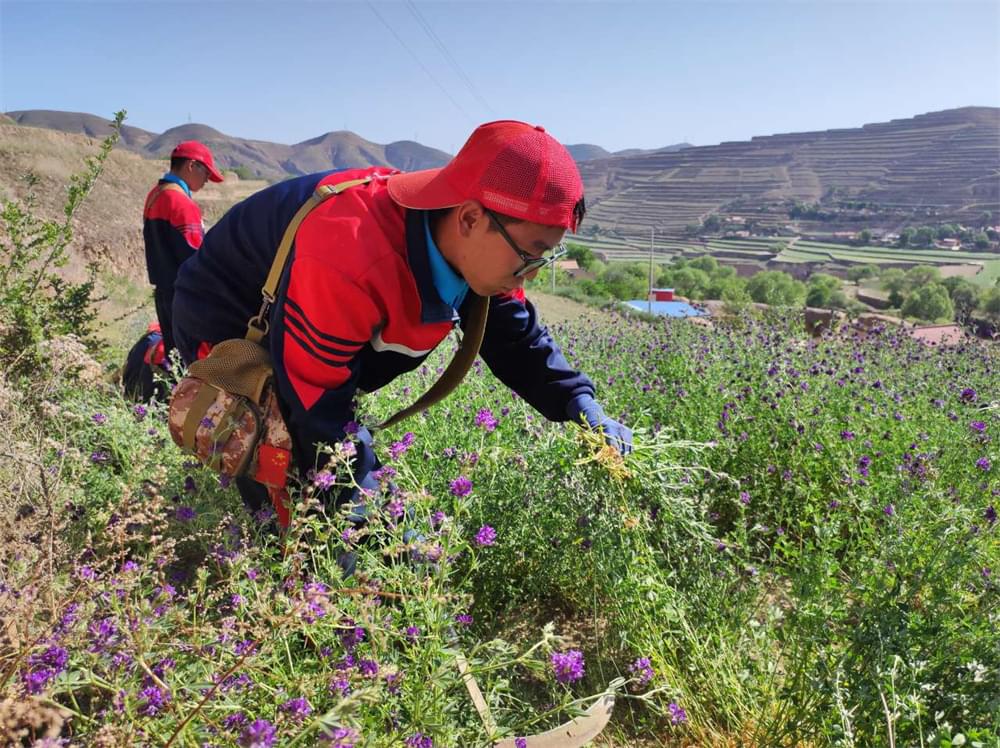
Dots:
pixel 676 309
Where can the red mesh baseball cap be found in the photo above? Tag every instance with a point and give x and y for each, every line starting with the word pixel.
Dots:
pixel 511 167
pixel 199 152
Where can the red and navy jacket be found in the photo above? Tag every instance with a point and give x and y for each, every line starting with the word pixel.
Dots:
pixel 171 231
pixel 356 307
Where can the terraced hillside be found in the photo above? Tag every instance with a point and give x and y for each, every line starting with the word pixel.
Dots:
pixel 947 161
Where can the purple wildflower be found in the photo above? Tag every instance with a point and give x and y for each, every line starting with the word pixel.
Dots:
pixel 847 435
pixel 438 518
pixel 340 685
pixel 234 721
pixel 520 743
pixel 461 486
pixel 368 668
pixel 154 700
pixel 889 510
pixel 185 514
pixel 259 734
pixel 968 395
pixel 342 737
pixel 99 457
pixel 463 619
pixel 139 411
pixel 978 426
pixel 990 514
pixel 99 418
pixel 744 498
pixel 486 420
pixel 677 715
pixel 324 479
pixel 486 536
pixel 412 632
pixel 984 464
pixel 642 669
pixel 568 666
pixel 298 709
pixel 397 449
pixel 419 740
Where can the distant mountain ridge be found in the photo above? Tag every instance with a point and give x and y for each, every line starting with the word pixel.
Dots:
pixel 589 152
pixel 332 150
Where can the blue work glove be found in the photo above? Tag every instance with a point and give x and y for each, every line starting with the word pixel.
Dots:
pixel 618 435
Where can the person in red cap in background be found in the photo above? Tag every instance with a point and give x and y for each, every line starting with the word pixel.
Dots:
pixel 172 228
pixel 380 274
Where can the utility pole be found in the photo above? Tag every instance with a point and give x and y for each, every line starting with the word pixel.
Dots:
pixel 649 296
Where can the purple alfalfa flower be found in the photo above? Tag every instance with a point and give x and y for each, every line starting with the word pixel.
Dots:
pixel 968 395
pixel 412 632
pixel 244 647
pixel 677 715
pixel 99 418
pixel 53 657
pixel 99 457
pixel 352 635
pixel 368 668
pixel 395 508
pixel 252 574
pixel 486 536
pixel 234 721
pixel 990 515
pixel 486 420
pixel 324 480
pixel 984 464
pixel 398 449
pixel 520 743
pixel 744 498
pixel 568 666
pixel 461 486
pixel 438 518
pixel 185 514
pixel 847 435
pixel 419 740
pixel 297 709
pixel 340 685
pixel 341 737
pixel 889 510
pixel 392 683
pixel 863 463
pixel 978 426
pixel 463 619
pixel 642 669
pixel 43 667
pixel 139 411
pixel 258 734
pixel 86 573
pixel 154 700
pixel 103 633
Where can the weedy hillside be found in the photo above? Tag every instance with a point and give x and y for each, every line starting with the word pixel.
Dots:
pixel 801 551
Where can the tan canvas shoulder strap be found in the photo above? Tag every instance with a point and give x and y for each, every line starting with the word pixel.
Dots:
pixel 258 325
pixel 475 329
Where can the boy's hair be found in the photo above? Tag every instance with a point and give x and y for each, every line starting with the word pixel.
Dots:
pixel 177 162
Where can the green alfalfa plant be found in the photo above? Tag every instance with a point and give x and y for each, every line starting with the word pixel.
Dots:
pixel 36 303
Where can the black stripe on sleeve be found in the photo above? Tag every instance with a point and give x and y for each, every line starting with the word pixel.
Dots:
pixel 319 333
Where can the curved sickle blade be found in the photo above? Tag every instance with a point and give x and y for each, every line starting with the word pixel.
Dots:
pixel 575 733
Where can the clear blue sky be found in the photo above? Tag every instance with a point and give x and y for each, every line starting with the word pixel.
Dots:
pixel 617 74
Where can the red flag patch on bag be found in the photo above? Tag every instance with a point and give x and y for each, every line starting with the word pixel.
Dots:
pixel 272 465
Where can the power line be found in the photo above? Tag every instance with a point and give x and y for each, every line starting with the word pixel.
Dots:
pixel 448 56
pixel 421 64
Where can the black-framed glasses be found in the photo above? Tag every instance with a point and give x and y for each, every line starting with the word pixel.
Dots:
pixel 531 262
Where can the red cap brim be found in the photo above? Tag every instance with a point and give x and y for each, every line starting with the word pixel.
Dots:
pixel 424 190
pixel 213 173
